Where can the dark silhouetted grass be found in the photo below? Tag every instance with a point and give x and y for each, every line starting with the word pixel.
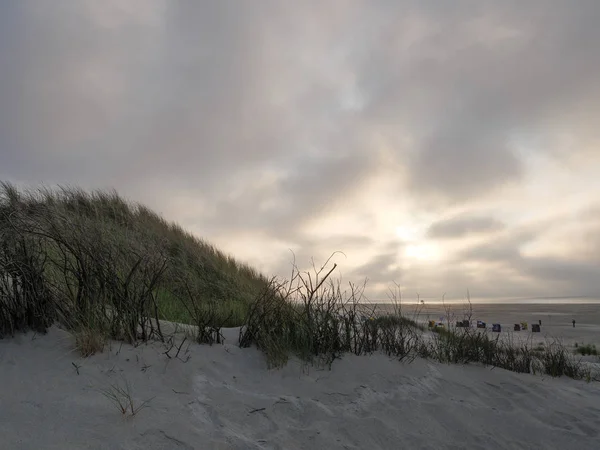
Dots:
pixel 101 265
pixel 311 317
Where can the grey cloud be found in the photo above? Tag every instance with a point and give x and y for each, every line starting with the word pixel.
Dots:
pixel 190 102
pixel 505 248
pixel 182 97
pixel 454 281
pixel 492 252
pixel 378 268
pixel 457 227
pixel 592 213
pixel 310 188
pixel 462 165
pixel 342 243
pixel 566 276
pixel 467 91
pixel 192 97
pixel 575 274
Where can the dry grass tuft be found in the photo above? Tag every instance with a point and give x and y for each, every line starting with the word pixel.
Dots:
pixel 89 341
pixel 122 398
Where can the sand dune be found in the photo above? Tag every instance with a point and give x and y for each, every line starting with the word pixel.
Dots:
pixel 223 397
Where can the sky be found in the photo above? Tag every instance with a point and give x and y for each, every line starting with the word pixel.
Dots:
pixel 441 146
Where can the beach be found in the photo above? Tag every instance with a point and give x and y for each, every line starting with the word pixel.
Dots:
pixel 224 397
pixel 556 318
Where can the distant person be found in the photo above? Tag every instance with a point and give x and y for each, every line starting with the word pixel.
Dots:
pixel 573 323
pixel 540 321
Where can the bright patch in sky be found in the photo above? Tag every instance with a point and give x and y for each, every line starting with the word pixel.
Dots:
pixel 407 233
pixel 422 252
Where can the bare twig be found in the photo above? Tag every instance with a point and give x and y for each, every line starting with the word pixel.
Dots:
pixel 77 367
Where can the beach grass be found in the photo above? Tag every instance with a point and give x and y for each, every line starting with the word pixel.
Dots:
pixel 313 318
pixel 98 264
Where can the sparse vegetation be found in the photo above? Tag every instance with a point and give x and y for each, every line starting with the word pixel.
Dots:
pixel 311 317
pixel 122 398
pixel 107 269
pixel 585 350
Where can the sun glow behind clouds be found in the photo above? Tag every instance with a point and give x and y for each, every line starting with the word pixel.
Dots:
pixel 422 252
pixel 408 233
pixel 416 247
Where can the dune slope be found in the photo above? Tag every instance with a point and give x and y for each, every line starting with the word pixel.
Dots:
pixel 223 397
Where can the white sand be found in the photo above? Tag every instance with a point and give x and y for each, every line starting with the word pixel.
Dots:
pixel 208 402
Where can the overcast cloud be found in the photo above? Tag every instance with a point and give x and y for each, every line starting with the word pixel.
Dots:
pixel 442 145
